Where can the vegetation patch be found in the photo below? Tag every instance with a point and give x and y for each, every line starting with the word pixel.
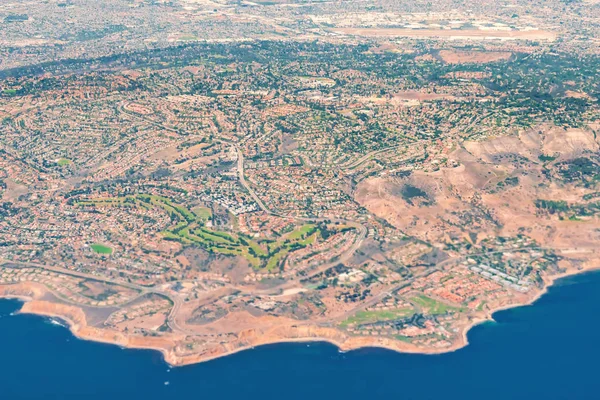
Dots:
pixel 366 317
pixel 203 213
pixel 566 210
pixel 580 169
pixel 552 206
pixel 432 306
pixel 410 192
pixel 189 228
pixel 546 158
pixel 101 249
pixel 509 182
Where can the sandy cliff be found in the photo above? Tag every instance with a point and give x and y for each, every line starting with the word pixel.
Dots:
pixel 176 349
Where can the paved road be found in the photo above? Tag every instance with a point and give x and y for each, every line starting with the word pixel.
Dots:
pixel 362 231
pixel 361 235
pixel 368 156
pixel 176 300
pixel 240 168
pixel 438 267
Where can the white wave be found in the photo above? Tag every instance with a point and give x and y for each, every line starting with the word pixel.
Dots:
pixel 58 322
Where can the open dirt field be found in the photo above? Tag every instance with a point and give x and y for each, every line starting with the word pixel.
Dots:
pixel 461 57
pixel 419 96
pixel 449 33
pixel 473 197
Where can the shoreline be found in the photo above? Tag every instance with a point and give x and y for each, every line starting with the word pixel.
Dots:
pixel 549 281
pixel 74 317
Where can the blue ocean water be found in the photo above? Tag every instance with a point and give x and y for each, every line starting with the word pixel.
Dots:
pixel 549 350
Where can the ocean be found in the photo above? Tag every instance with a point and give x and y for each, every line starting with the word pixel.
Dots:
pixel 548 350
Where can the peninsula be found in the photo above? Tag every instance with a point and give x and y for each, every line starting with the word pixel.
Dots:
pixel 202 177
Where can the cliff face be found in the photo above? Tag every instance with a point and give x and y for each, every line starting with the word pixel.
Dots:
pixel 255 337
pixel 31 293
pixel 23 290
pixel 183 349
pixel 174 346
pixel 77 321
pixel 249 338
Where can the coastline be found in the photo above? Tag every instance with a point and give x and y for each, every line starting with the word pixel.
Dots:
pixel 30 294
pixel 549 281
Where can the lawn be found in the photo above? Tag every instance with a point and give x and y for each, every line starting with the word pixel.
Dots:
pixel 364 317
pixel 189 229
pixel 187 37
pixel 432 306
pixel 256 248
pixel 301 232
pixel 277 257
pixel 101 249
pixel 202 213
pixel 63 161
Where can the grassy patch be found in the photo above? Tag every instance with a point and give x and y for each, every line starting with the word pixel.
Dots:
pixel 480 306
pixel 256 248
pixel 432 306
pixel 101 249
pixel 365 317
pixel 63 161
pixel 189 229
pixel 302 232
pixel 276 258
pixel 187 37
pixel 403 338
pixel 204 214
